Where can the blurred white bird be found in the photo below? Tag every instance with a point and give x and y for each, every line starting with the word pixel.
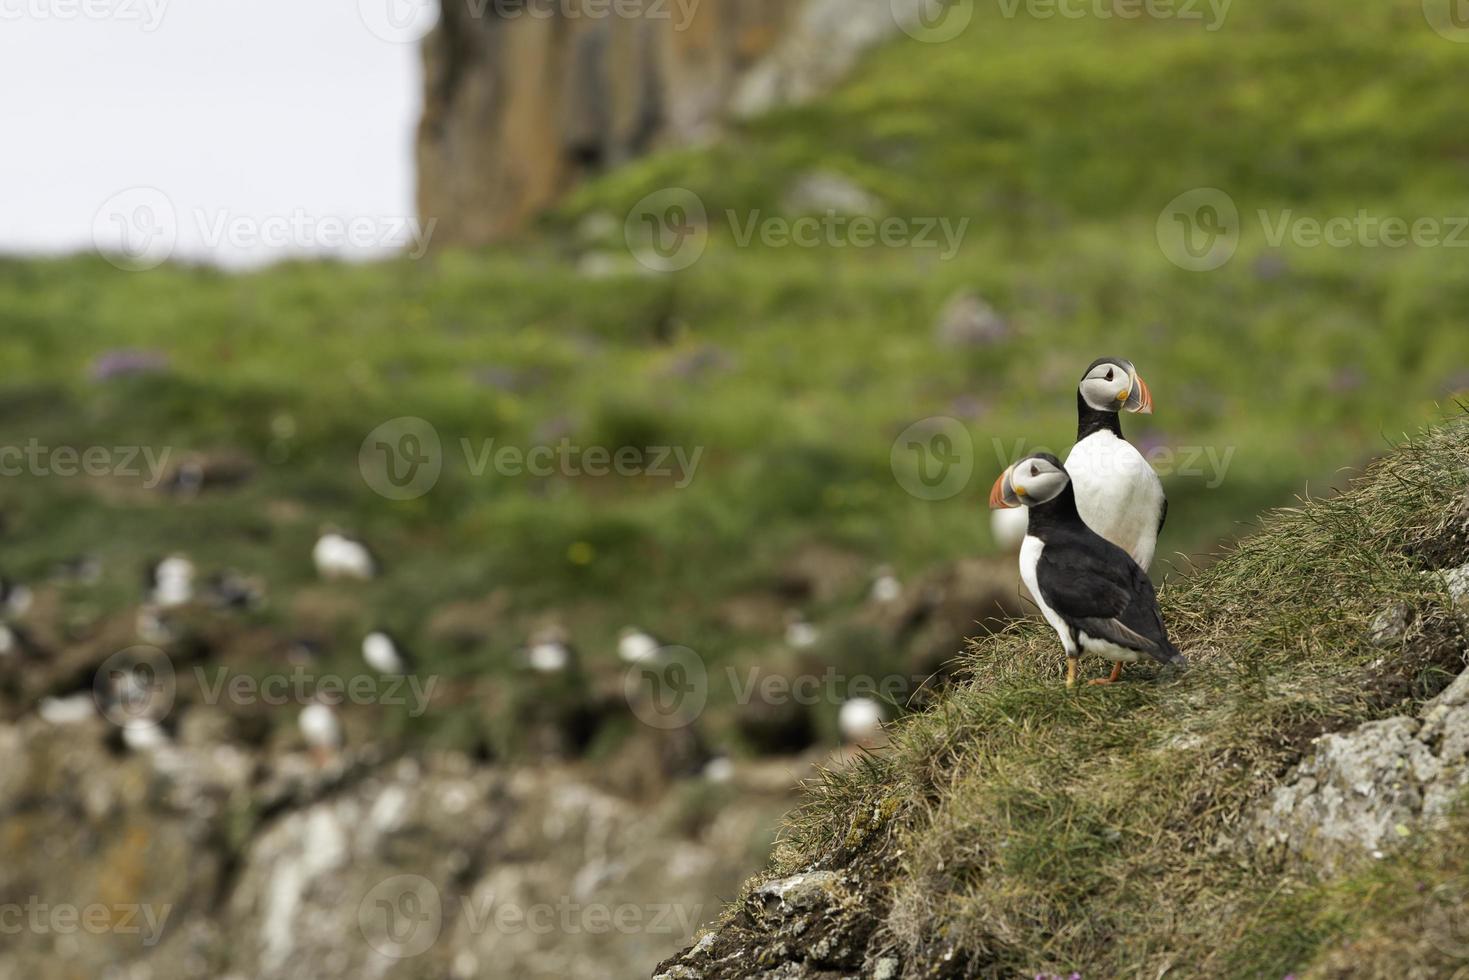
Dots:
pixel 1008 528
pixel 799 633
pixel 172 581
pixel 322 731
pixel 384 654
pixel 549 652
pixel 144 736
pixel 15 599
pixel 152 626
pixel 885 585
pixel 635 646
pixel 861 720
pixel 72 710
pixel 337 556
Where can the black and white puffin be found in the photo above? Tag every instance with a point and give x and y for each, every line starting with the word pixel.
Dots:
pixel 1117 491
pixel 384 654
pixel 1096 597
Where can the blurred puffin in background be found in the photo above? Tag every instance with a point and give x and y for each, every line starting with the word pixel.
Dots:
pixel 1094 595
pixel 1117 492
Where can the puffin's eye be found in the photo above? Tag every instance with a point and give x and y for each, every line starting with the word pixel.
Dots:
pixel 1110 373
pixel 1035 470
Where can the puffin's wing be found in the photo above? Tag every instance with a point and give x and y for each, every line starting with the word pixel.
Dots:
pixel 1104 593
pixel 1163 517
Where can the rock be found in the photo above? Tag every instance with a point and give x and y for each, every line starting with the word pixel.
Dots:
pixel 820 48
pixel 968 321
pixel 798 893
pixel 1390 625
pixel 824 192
pixel 1362 792
pixel 519 109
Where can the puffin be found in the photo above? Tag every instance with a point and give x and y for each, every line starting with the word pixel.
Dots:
pixel 1117 490
pixel 885 586
pixel 337 556
pixel 549 652
pixel 860 721
pixel 384 654
pixel 636 646
pixel 15 598
pixel 171 582
pixel 321 730
pixel 1096 597
pixel 800 634
pixel 1119 494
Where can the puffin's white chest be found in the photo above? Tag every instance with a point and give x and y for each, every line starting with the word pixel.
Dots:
pixel 1030 559
pixel 1117 493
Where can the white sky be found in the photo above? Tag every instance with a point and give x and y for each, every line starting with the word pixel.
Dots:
pixel 263 117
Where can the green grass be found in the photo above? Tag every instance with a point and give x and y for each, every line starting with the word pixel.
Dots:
pixel 1061 142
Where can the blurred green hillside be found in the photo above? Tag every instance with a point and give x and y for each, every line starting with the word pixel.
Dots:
pixel 793 369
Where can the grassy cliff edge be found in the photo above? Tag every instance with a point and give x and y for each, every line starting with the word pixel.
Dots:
pixel 1018 829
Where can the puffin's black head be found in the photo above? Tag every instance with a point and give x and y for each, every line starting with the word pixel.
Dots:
pixel 1112 384
pixel 1035 480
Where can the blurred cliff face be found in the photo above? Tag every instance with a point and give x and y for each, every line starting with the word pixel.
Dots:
pixel 524 100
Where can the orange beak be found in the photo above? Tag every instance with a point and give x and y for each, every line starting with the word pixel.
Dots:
pixel 1142 398
pixel 997 494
